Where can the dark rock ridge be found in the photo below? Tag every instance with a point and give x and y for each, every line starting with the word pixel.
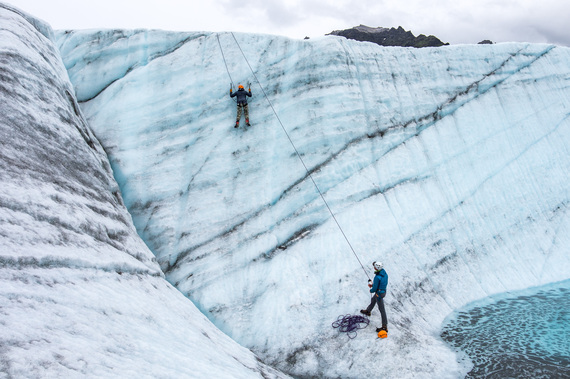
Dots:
pixel 388 37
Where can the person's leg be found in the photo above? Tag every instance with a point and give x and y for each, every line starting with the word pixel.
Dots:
pixel 371 306
pixel 380 301
pixel 239 112
pixel 246 111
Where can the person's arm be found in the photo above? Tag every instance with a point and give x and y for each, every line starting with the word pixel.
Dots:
pixel 376 285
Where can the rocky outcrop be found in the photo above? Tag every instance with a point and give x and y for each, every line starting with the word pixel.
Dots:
pixel 388 37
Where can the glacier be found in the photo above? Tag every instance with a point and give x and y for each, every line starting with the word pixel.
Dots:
pixel 81 295
pixel 448 164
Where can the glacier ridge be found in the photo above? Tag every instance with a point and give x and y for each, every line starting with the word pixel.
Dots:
pixel 81 295
pixel 448 164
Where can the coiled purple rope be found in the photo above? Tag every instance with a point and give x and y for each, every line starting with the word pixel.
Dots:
pixel 350 324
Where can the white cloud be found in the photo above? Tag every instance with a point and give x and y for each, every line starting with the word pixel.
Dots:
pixel 454 21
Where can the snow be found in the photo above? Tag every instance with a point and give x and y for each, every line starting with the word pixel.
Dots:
pixel 81 295
pixel 450 165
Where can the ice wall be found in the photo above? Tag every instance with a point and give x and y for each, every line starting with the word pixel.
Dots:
pixel 448 164
pixel 81 295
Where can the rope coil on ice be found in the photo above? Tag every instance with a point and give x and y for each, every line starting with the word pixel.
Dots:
pixel 350 324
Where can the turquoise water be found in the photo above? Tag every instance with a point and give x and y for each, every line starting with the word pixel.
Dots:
pixel 524 334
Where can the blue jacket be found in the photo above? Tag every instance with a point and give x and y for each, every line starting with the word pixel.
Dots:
pixel 380 282
pixel 241 95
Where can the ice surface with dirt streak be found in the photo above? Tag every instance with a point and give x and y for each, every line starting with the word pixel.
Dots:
pixel 448 164
pixel 81 295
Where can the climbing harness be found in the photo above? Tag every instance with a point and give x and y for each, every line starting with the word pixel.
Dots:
pixel 349 324
pixel 299 155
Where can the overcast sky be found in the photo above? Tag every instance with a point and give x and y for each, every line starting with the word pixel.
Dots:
pixel 453 21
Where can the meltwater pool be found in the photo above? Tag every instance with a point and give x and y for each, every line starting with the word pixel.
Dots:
pixel 523 334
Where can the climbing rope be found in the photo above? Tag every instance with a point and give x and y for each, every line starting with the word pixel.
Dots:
pixel 300 158
pixel 349 324
pixel 225 63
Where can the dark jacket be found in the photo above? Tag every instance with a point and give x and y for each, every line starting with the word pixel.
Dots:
pixel 380 282
pixel 241 95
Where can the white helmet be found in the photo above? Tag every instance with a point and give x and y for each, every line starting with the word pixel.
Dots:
pixel 377 265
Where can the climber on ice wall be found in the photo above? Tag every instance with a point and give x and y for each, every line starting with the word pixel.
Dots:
pixel 242 106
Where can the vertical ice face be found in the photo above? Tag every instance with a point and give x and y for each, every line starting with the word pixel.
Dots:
pixel 450 165
pixel 81 295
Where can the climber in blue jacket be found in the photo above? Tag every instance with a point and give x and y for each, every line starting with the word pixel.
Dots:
pixel 378 288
